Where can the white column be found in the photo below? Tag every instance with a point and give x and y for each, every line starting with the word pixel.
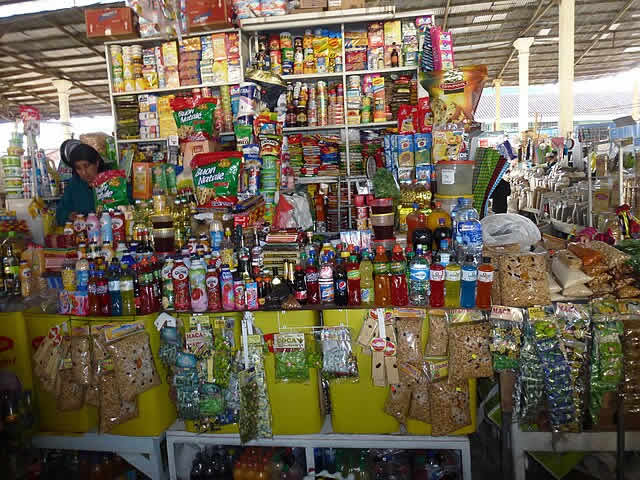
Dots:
pixel 497 83
pixel 635 102
pixel 566 35
pixel 63 87
pixel 522 45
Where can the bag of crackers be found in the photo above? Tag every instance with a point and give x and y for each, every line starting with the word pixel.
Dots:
pixel 215 178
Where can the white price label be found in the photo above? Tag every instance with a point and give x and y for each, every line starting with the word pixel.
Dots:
pixel 448 176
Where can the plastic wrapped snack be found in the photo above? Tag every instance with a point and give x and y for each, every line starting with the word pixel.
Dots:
pixel 606 357
pixel 263 412
pixel 69 395
pixel 81 358
pixel 249 399
pixel 449 407
pixel 215 177
pixel 194 117
pixel 113 409
pixel 567 276
pixel 528 393
pixel 134 365
pixel 588 256
pixel 420 408
pixel 409 340
pixel 110 189
pixel 611 256
pixel 523 280
pixel 399 400
pixel 469 354
pixel 506 337
pixel 438 333
pixel 338 361
pixel 631 381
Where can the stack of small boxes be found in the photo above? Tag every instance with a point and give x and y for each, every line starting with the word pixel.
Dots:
pixel 149 123
pixel 189 62
pixel 221 58
pixel 149 68
pixel 165 116
pixel 170 64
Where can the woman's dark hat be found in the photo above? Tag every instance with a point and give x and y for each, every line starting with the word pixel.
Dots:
pixel 73 150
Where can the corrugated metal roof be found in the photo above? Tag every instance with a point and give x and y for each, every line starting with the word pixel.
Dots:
pixel 36 48
pixel 592 106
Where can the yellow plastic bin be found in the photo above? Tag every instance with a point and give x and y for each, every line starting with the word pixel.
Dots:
pixel 237 316
pixel 358 407
pixel 295 407
pixel 15 348
pixel 50 419
pixel 156 411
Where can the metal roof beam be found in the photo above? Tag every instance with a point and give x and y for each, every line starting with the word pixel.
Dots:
pixel 606 29
pixel 446 15
pixel 75 37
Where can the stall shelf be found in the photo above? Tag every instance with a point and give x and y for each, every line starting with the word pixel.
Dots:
pixel 144 453
pixel 522 442
pixel 326 439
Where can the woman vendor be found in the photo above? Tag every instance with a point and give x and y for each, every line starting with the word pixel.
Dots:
pixel 78 196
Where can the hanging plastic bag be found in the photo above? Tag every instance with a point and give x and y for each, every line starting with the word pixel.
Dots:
pixel 508 228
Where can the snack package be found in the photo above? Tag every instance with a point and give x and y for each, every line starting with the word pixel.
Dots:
pixel 113 409
pixel 447 144
pixel 69 395
pixel 469 354
pixel 449 406
pixel 407 119
pixel 425 115
pixel 523 280
pixel 506 337
pixel 215 177
pixel 290 358
pixel 409 343
pixel 142 181
pixel 455 93
pixel 438 338
pixel 81 355
pixel 194 117
pixel 110 189
pixel 528 392
pixel 399 401
pixel 338 361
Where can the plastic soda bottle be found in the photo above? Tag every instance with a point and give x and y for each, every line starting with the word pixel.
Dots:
pixel 180 277
pixel 452 274
pixel 325 281
pixel 82 269
pixel 102 292
pixel 167 284
pixel 114 288
pixel 382 278
pixel 353 281
pixel 399 289
pixel 367 294
pixel 340 282
pixel 213 289
pixel 418 279
pixel 469 280
pixel 485 283
pixel 92 291
pixel 415 220
pixel 106 230
pixel 93 228
pixel 126 291
pixel 226 288
pixel 198 286
pixel 300 285
pixel 311 277
pixel 436 280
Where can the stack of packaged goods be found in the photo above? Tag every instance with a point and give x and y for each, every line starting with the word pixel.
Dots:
pixel 14 169
pixel 148 116
pixel 132 68
pixel 165 116
pixel 225 109
pixel 295 150
pixel 117 68
pixel 319 51
pixel 189 61
pixel 311 105
pixel 127 123
pixel 381 45
pixel 150 68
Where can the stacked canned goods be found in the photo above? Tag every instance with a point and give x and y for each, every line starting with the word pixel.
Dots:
pixel 117 74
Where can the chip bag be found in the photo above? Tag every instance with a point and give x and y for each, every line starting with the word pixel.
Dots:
pixel 215 178
pixel 194 117
pixel 110 189
pixel 454 94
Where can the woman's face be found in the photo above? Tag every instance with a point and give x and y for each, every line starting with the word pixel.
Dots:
pixel 87 171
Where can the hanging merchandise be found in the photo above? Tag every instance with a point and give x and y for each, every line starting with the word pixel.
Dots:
pixel 506 337
pixel 378 334
pixel 339 362
pixel 291 357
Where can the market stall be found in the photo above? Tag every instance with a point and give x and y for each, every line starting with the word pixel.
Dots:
pixel 292 246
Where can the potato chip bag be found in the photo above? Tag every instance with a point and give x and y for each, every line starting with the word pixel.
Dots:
pixel 215 178
pixel 454 94
pixel 141 189
pixel 194 117
pixel 110 189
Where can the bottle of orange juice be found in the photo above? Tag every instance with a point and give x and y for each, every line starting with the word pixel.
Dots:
pixel 433 220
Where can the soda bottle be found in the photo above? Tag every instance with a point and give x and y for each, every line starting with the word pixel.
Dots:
pixel 180 277
pixel 340 283
pixel 367 296
pixel 126 291
pixel 93 228
pixel 442 232
pixel 238 291
pixel 353 281
pixel 114 288
pixel 144 299
pixel 213 289
pixel 399 290
pixel 118 227
pixel 452 276
pixel 135 272
pixel 82 269
pixel 445 252
pixel 226 288
pixel 415 220
pixel 469 280
pixel 325 281
pixel 311 278
pixel 300 285
pixel 92 294
pixel 198 286
pixel 106 231
pixel 102 292
pixel 226 249
pixel 382 278
pixel 418 279
pixel 79 229
pixel 436 282
pixel 485 283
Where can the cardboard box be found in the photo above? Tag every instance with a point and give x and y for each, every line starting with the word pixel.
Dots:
pixel 111 23
pixel 208 14
pixel 191 149
pixel 345 4
pixel 313 3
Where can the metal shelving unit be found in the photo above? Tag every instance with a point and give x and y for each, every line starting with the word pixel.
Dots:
pixel 325 439
pixel 144 453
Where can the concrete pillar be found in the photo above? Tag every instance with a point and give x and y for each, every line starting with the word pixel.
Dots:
pixel 522 45
pixel 63 87
pixel 497 83
pixel 567 27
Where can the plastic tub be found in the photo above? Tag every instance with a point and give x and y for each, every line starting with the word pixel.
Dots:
pixel 450 201
pixel 454 178
pixel 382 219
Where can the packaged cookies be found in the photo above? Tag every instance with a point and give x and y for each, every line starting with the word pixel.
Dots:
pixel 523 280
